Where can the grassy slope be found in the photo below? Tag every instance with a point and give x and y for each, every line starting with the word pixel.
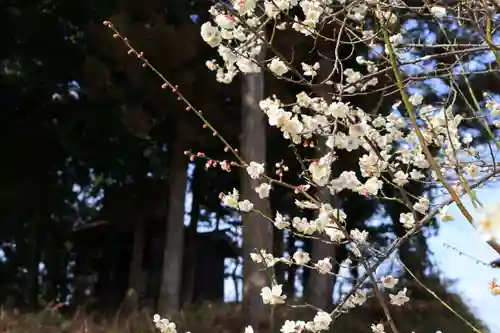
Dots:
pixel 417 316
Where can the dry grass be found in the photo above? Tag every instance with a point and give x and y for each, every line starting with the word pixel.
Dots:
pixel 417 316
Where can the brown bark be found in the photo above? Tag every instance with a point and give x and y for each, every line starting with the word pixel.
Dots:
pixel 257 232
pixel 135 268
pixel 188 283
pixel 320 287
pixel 278 249
pixel 170 290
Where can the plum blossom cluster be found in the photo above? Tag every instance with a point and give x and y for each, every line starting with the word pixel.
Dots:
pixel 393 148
pixel 164 325
pixel 232 200
pixel 321 322
pixel 388 147
pixel 236 31
pixel 391 155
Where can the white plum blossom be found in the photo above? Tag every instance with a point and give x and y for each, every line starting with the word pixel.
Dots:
pixel 352 76
pixel 378 328
pixel 438 11
pixel 494 108
pixel 389 281
pixel 305 27
pixel 247 65
pixel 336 235
pixel 211 65
pixel 322 221
pixel 310 70
pixel 303 225
pixel 337 110
pixel 255 170
pixel 289 124
pixel 263 190
pixel 225 21
pixel 422 206
pixel 407 220
pixel 371 187
pixel 324 266
pixel 372 165
pixel 263 257
pixel 349 180
pixel 281 222
pixel 289 326
pixel 244 7
pixel 320 170
pixel 210 34
pixel 231 199
pixel 396 40
pixel 400 178
pixel 359 236
pixel 301 257
pixel 416 99
pixel 270 9
pixel 472 170
pixel 338 214
pixel 245 206
pixel 358 130
pixel 303 100
pixel 273 296
pixel 400 298
pixel 378 122
pixel 416 175
pixel 164 325
pixel 322 321
pixel 277 66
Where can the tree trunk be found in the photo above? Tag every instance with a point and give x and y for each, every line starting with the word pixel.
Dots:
pixel 135 269
pixel 257 231
pixel 170 290
pixel 306 272
pixel 188 284
pixel 278 250
pixel 55 255
pixel 291 270
pixel 34 262
pixel 51 265
pixel 320 288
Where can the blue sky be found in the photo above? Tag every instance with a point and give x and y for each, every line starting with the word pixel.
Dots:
pixel 472 279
